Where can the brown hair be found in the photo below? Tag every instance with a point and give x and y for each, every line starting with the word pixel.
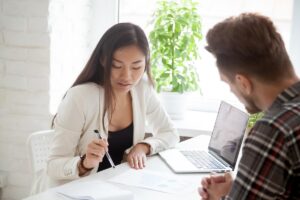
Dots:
pixel 98 67
pixel 249 44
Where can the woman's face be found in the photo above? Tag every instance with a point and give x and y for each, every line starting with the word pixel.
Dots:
pixel 128 66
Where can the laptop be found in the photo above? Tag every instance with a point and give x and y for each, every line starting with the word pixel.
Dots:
pixel 223 149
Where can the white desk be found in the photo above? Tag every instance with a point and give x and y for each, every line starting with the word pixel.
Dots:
pixel 154 163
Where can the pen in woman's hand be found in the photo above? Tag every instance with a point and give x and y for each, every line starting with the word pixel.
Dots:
pixel 106 152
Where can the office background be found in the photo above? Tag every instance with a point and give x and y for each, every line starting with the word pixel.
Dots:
pixel 38 62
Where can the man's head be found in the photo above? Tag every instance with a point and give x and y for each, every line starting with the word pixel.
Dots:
pixel 247 48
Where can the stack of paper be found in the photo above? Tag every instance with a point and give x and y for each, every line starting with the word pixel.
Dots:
pixel 93 190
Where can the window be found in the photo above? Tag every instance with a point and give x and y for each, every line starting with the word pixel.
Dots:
pixel 280 11
pixel 76 27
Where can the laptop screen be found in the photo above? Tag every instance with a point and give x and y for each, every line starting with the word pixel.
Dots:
pixel 228 132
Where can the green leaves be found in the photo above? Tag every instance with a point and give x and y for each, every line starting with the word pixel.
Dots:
pixel 174 42
pixel 254 118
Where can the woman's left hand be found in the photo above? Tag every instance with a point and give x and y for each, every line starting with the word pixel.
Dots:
pixel 137 155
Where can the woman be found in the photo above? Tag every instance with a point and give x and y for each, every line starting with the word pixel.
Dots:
pixel 111 96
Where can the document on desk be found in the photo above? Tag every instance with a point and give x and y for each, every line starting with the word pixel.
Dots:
pixel 93 190
pixel 154 181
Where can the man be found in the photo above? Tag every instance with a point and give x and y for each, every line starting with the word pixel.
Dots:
pixel 252 59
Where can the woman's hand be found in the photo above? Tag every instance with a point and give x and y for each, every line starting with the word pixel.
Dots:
pixel 137 156
pixel 95 153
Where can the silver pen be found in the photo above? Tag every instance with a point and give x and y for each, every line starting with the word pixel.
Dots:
pixel 106 152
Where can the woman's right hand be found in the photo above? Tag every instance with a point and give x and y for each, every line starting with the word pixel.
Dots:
pixel 95 153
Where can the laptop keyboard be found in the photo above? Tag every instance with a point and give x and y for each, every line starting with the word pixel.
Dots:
pixel 202 159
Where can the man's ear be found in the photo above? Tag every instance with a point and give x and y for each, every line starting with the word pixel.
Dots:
pixel 244 84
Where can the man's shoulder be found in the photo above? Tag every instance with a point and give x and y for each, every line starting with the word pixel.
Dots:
pixel 284 119
pixel 286 113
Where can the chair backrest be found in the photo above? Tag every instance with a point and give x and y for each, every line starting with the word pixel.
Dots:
pixel 38 145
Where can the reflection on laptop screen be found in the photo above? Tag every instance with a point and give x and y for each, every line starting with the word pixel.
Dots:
pixel 228 132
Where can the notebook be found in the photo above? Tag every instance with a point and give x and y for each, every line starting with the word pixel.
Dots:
pixel 223 149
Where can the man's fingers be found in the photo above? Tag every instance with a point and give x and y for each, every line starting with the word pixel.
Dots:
pixel 217 178
pixel 205 182
pixel 228 177
pixel 202 193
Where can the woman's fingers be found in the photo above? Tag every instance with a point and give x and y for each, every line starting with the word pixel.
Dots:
pixel 142 161
pixel 97 148
pixel 137 161
pixel 95 152
pixel 97 143
pixel 137 156
pixel 130 161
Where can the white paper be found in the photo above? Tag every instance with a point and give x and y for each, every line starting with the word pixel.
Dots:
pixel 93 190
pixel 154 181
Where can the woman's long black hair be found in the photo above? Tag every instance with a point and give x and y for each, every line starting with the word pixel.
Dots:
pixel 98 67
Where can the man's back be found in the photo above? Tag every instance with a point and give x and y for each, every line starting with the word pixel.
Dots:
pixel 270 165
pixel 252 59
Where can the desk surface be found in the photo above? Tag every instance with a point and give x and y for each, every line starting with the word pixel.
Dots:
pixel 154 163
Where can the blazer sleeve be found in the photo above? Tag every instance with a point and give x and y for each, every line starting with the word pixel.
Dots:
pixel 62 162
pixel 165 134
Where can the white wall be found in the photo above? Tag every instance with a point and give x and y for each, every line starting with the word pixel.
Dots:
pixel 24 87
pixel 26 72
pixel 76 27
pixel 295 39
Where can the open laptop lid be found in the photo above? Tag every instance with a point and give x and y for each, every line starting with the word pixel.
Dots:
pixel 228 132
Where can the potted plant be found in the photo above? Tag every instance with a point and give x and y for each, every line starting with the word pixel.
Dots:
pixel 174 41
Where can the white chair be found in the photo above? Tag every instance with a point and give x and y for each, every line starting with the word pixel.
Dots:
pixel 38 146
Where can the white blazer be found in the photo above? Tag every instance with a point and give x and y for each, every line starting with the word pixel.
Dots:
pixel 80 113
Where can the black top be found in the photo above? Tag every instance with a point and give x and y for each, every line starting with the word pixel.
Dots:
pixel 118 142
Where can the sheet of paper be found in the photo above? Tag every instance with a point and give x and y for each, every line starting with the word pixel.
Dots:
pixel 154 181
pixel 93 190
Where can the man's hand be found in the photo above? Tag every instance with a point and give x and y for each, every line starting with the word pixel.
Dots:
pixel 215 186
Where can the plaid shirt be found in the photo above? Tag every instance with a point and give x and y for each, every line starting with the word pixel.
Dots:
pixel 270 163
